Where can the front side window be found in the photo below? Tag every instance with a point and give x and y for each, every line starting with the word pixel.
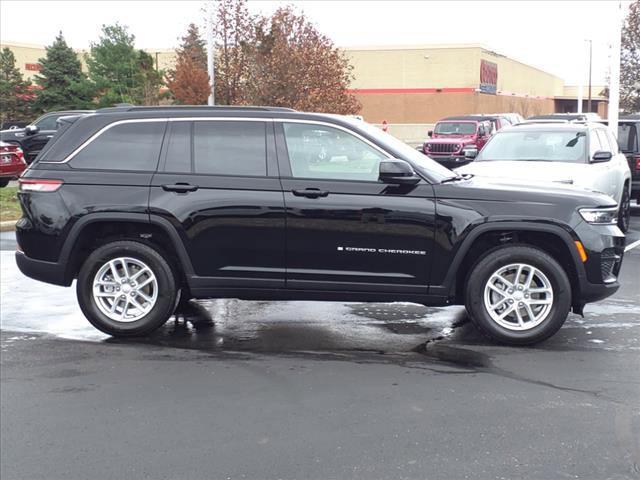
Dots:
pixel 455 128
pixel 318 151
pixel 48 122
pixel 230 148
pixel 539 146
pixel 131 146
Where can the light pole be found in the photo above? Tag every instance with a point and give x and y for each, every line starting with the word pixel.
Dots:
pixel 590 61
pixel 210 51
pixel 614 81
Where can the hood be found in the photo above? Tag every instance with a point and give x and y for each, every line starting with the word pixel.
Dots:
pixel 14 134
pixel 545 172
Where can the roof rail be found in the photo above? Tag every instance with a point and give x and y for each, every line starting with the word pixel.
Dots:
pixel 131 108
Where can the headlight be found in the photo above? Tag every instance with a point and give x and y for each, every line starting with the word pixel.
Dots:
pixel 600 216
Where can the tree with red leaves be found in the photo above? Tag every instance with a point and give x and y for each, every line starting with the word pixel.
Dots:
pixel 189 81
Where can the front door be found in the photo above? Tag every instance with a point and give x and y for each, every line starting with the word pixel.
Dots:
pixel 346 231
pixel 218 184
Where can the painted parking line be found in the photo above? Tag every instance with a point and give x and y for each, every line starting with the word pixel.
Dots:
pixel 632 245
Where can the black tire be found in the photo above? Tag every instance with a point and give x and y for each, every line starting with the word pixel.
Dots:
pixel 624 212
pixel 166 297
pixel 503 256
pixel 4 182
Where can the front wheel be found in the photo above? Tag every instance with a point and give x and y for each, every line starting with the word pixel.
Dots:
pixel 624 212
pixel 518 295
pixel 126 288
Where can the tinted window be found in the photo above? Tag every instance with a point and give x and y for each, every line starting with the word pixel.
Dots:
pixel 230 148
pixel 627 137
pixel 317 151
pixel 179 148
pixel 552 146
pixel 128 146
pixel 48 122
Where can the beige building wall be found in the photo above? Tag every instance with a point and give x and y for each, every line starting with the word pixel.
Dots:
pixel 28 56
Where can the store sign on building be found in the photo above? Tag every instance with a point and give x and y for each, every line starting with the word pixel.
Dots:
pixel 488 77
pixel 33 67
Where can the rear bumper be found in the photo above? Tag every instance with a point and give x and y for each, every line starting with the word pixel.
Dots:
pixel 11 170
pixel 49 272
pixel 635 188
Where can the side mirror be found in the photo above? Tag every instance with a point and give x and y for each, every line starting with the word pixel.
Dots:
pixel 430 133
pixel 31 129
pixel 470 152
pixel 397 172
pixel 601 156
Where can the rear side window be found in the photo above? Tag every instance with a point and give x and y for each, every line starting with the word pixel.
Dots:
pixel 128 146
pixel 230 148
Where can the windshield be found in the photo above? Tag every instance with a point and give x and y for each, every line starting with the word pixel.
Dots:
pixel 455 128
pixel 420 162
pixel 549 146
pixel 47 122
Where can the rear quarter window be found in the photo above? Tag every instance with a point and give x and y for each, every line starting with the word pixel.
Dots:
pixel 131 146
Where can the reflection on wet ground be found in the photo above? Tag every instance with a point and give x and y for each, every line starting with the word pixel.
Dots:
pixel 288 327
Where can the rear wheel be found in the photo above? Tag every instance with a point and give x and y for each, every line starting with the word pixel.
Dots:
pixel 624 212
pixel 4 182
pixel 126 288
pixel 518 295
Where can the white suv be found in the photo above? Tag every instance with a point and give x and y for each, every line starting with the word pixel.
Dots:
pixel 582 155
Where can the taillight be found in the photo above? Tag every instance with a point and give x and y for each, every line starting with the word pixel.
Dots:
pixel 39 185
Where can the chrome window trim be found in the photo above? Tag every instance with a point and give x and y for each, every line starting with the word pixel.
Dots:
pixel 149 120
pixel 200 119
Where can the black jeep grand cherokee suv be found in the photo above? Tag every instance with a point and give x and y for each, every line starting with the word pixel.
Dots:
pixel 148 206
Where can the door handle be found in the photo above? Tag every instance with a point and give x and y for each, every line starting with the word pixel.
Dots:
pixel 180 188
pixel 310 193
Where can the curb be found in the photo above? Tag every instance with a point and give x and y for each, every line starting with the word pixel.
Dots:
pixel 8 226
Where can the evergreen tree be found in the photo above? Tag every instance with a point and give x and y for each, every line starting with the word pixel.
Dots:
pixel 193 46
pixel 114 66
pixel 148 80
pixel 63 84
pixel 188 82
pixel 14 91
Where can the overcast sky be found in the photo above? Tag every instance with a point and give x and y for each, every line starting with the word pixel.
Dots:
pixel 546 34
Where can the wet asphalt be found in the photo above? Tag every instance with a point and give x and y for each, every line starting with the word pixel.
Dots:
pixel 313 390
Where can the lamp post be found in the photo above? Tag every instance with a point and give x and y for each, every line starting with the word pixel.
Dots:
pixel 210 48
pixel 590 61
pixel 614 81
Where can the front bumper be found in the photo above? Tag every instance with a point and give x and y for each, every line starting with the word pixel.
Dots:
pixel 450 161
pixel 604 246
pixel 49 272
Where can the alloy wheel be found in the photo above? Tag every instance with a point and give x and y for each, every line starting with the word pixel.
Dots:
pixel 125 289
pixel 518 296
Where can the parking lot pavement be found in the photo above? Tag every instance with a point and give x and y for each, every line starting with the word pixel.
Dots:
pixel 316 391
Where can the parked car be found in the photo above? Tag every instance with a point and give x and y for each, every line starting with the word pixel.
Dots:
pixel 629 144
pixel 583 155
pixel 12 162
pixel 455 141
pixel 146 207
pixel 35 136
pixel 514 118
pixel 581 117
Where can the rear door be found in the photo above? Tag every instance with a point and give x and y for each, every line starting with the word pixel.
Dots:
pixel 218 185
pixel 346 231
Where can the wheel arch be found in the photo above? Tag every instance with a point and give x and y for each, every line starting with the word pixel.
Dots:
pixel 112 226
pixel 552 239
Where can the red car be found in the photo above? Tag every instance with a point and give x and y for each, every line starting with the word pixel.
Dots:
pixel 12 162
pixel 456 140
